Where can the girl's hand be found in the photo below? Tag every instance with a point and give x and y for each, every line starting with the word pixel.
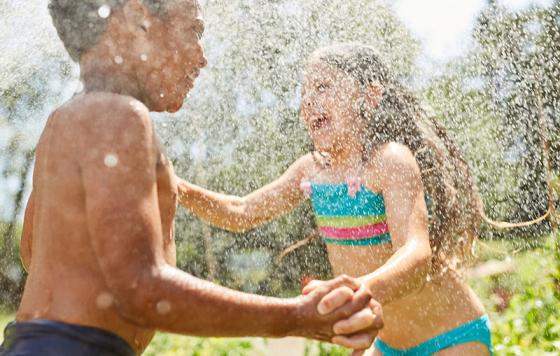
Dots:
pixel 348 289
pixel 336 298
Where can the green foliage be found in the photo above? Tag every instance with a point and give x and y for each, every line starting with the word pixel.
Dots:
pixel 517 55
pixel 314 348
pixel 531 322
pixel 499 100
pixel 523 305
pixel 173 345
pixel 11 271
pixel 5 318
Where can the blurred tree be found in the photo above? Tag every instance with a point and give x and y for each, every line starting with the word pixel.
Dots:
pixel 519 54
pixel 500 101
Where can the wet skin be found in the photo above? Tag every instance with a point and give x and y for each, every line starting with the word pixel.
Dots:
pixel 65 281
pixel 98 230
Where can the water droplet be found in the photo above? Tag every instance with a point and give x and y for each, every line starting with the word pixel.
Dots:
pixel 163 307
pixel 79 86
pixel 104 11
pixel 111 160
pixel 136 106
pixel 104 300
pixel 119 60
pixel 144 57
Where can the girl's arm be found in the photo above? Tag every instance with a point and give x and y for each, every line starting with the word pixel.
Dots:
pixel 242 213
pixel 406 270
pixel 407 217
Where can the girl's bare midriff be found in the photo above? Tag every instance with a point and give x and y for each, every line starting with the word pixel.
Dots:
pixel 435 308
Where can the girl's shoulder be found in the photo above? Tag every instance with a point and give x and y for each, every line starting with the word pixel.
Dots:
pixel 311 164
pixel 390 159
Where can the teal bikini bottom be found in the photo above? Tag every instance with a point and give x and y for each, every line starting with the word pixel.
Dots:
pixel 474 331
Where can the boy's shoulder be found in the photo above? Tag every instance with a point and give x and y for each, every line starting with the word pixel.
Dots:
pixel 102 121
pixel 104 114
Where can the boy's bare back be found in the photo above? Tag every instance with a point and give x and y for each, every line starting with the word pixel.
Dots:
pixel 66 282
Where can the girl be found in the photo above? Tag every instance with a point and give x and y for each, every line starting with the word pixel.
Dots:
pixel 379 157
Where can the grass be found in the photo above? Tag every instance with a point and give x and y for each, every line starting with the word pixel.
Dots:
pixel 530 266
pixel 176 345
pixel 5 318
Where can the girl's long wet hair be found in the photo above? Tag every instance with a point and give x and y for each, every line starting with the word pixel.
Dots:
pixel 455 202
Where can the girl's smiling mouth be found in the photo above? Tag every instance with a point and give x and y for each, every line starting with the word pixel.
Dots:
pixel 320 121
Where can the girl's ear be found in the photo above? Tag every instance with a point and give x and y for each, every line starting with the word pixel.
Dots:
pixel 374 94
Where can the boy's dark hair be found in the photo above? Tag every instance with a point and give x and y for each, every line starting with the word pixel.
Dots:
pixel 80 24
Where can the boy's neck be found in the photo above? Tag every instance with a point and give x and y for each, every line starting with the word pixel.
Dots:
pixel 105 78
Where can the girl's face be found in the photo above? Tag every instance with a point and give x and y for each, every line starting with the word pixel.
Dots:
pixel 330 107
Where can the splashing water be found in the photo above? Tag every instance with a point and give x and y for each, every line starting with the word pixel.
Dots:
pixel 241 126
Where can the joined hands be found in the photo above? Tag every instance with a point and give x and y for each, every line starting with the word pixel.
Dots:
pixel 347 306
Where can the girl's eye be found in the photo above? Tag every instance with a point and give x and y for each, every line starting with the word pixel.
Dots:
pixel 322 87
pixel 199 36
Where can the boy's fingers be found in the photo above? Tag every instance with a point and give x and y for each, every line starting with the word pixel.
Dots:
pixel 309 287
pixel 344 281
pixel 334 300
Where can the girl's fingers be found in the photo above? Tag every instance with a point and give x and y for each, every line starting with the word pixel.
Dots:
pixel 362 320
pixel 357 342
pixel 339 281
pixel 334 300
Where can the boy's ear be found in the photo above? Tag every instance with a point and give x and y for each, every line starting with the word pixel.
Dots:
pixel 136 15
pixel 374 94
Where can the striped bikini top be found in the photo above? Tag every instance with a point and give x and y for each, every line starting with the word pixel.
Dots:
pixel 348 213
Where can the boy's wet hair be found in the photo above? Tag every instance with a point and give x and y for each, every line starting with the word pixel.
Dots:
pixel 456 206
pixel 80 24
